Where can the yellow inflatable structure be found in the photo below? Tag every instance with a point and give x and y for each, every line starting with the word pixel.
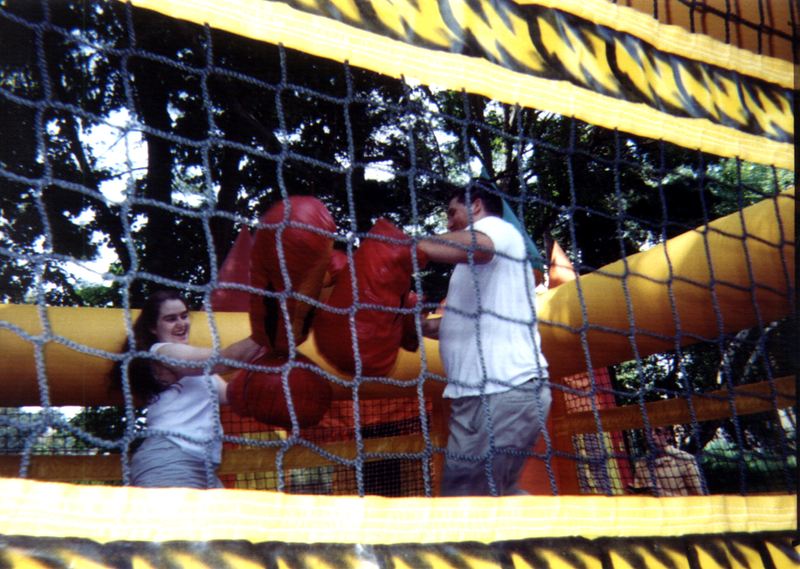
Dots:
pixel 733 274
pixel 236 529
pixel 667 83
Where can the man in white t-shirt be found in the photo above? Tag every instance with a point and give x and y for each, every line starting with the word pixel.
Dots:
pixel 490 348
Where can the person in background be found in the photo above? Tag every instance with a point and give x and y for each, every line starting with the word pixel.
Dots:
pixel 182 447
pixel 675 472
pixel 490 348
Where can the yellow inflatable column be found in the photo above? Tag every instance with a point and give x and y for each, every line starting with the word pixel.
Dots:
pixel 735 273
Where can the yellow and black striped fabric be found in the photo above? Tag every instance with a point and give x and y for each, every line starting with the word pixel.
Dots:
pixel 605 64
pixel 743 551
pixel 556 45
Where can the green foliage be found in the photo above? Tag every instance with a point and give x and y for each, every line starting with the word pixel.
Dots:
pixel 36 432
pixel 753 355
pixel 101 296
pixel 364 143
pixel 765 462
pixel 17 430
pixel 90 430
pixel 106 423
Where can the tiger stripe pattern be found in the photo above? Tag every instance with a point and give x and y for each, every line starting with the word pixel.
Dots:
pixel 553 44
pixel 773 550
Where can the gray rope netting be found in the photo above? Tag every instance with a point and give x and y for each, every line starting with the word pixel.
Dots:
pixel 202 131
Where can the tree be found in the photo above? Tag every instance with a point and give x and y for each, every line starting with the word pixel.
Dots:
pixel 231 124
pixel 107 424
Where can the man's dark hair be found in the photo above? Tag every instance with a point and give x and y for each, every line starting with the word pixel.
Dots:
pixel 491 201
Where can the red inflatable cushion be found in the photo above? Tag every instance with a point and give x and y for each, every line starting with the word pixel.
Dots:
pixel 261 394
pixel 306 253
pixel 383 275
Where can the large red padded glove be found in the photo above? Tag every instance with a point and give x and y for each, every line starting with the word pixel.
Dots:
pixel 410 339
pixel 261 395
pixel 306 254
pixel 383 275
pixel 336 265
pixel 235 269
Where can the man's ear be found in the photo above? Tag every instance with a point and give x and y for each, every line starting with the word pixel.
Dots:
pixel 477 206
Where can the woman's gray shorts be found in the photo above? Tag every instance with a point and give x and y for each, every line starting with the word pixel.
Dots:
pixel 160 463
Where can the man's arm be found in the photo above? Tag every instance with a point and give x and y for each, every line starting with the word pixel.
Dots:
pixel 430 327
pixel 691 477
pixel 455 247
pixel 641 480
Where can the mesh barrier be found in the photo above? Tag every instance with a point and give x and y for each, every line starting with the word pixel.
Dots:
pixel 141 146
pixel 390 475
pixel 756 26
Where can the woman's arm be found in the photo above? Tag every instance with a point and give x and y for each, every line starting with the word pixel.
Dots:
pixel 242 351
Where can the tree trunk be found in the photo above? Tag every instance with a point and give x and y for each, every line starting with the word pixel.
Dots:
pixel 152 99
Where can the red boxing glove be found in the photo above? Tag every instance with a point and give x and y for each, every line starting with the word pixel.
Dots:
pixel 336 266
pixel 261 395
pixel 409 339
pixel 235 269
pixel 383 276
pixel 306 253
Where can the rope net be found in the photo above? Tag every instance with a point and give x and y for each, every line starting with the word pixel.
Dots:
pixel 142 146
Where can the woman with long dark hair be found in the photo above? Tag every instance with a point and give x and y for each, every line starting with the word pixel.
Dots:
pixel 182 447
